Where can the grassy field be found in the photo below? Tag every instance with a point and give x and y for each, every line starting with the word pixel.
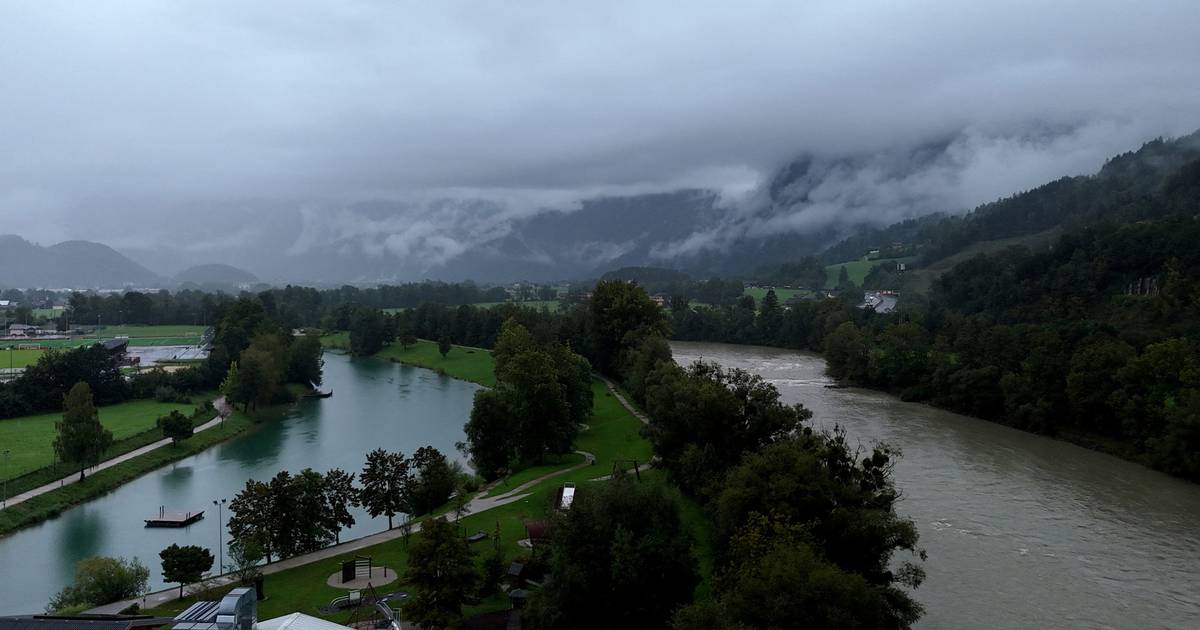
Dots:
pixel 167 330
pixel 468 364
pixel 31 438
pixel 858 269
pixel 53 503
pixel 19 358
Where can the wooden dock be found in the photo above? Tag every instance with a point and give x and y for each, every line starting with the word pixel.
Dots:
pixel 174 519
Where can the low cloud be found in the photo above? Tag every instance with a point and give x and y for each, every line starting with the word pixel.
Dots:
pixel 279 124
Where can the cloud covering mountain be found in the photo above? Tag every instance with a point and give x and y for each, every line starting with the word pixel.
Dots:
pixel 411 139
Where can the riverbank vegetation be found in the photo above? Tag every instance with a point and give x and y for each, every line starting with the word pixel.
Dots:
pixel 53 503
pixel 715 432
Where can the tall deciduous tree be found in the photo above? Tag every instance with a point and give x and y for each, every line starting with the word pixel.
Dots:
pixel 385 478
pixel 443 575
pixel 81 439
pixel 619 308
pixel 185 565
pixel 340 495
pixel 621 558
pixel 250 516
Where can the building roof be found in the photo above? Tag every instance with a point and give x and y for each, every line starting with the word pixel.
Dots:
pixel 81 622
pixel 298 621
pixel 118 343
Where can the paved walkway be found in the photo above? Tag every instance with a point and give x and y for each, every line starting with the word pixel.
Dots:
pixel 478 504
pixel 223 411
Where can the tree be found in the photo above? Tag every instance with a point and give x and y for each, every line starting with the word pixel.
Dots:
pixel 245 554
pixel 846 353
pixel 385 481
pixel 703 419
pixel 444 345
pixel 431 482
pixel 304 360
pixel 185 565
pixel 490 432
pixel 81 438
pixel 366 331
pixel 176 426
pixel 619 308
pixel 340 496
pixel 620 557
pixel 843 502
pixel 442 573
pixel 250 516
pixel 493 566
pixel 775 579
pixel 258 378
pixel 101 580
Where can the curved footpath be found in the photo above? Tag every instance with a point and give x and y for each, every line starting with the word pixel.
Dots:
pixel 478 504
pixel 223 411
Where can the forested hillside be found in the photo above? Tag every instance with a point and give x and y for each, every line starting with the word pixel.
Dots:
pixel 1116 193
pixel 1096 339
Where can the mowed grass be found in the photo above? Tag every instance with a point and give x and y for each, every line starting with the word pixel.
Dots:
pixel 166 330
pixel 468 364
pixel 52 503
pixel 857 270
pixel 10 357
pixel 31 438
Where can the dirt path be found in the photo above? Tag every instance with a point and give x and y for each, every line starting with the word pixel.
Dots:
pixel 624 403
pixel 223 411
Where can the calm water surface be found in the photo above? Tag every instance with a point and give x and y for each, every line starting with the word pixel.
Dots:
pixel 1022 531
pixel 375 404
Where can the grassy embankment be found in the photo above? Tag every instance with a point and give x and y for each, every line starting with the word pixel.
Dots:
pixel 31 438
pixel 468 364
pixel 613 435
pixel 53 503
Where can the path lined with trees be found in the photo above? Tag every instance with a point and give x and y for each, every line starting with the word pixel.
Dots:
pixel 223 412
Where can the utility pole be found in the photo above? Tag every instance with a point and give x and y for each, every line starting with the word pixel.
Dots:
pixel 220 543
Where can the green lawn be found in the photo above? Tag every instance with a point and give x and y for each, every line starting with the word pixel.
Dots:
pixel 52 503
pixel 19 358
pixel 168 330
pixel 468 364
pixel 31 438
pixel 858 269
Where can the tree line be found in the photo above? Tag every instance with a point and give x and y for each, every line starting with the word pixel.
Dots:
pixel 1095 340
pixel 819 547
pixel 293 514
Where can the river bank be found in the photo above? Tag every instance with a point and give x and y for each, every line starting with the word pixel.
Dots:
pixel 1091 441
pixel 375 403
pixel 1021 530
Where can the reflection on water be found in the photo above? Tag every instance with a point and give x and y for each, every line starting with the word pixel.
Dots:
pixel 1022 531
pixel 376 404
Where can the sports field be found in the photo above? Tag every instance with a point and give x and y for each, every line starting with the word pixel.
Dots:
pixel 31 438
pixel 18 358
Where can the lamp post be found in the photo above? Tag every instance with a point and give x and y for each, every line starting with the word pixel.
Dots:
pixel 6 452
pixel 220 544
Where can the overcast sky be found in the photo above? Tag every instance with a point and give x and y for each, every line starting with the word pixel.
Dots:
pixel 120 120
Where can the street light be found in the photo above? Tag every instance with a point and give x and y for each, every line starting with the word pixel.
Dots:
pixel 220 544
pixel 6 452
